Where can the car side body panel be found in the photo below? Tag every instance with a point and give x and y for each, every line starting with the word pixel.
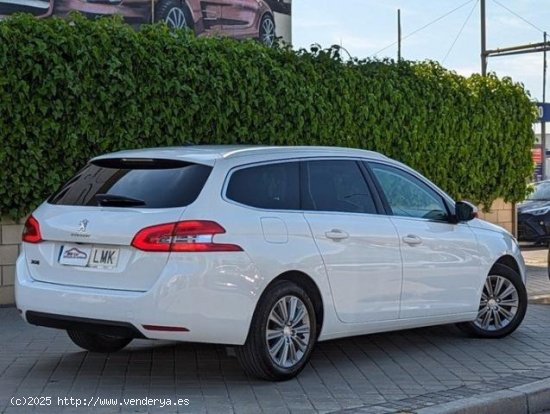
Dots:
pixel 494 242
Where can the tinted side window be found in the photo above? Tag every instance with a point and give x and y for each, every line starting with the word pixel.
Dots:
pixel 153 183
pixel 336 185
pixel 407 195
pixel 271 186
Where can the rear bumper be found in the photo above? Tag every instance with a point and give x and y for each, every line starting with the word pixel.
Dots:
pixel 113 328
pixel 213 306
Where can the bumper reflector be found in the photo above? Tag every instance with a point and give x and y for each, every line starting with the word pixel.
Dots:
pixel 165 328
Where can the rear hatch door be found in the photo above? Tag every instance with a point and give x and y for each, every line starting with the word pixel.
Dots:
pixel 88 226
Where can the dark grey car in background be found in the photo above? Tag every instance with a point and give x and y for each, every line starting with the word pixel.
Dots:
pixel 534 215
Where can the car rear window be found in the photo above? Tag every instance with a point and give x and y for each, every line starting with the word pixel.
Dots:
pixel 155 183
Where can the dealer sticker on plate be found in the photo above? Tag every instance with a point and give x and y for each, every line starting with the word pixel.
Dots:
pixel 90 256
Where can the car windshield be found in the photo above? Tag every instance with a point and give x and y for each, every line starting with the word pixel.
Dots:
pixel 542 192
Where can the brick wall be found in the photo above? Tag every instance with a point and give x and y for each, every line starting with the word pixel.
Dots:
pixel 10 237
pixel 502 214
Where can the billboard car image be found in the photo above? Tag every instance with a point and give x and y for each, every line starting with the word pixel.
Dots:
pixel 236 18
pixel 40 8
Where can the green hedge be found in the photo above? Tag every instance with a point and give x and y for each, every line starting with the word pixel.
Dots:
pixel 73 89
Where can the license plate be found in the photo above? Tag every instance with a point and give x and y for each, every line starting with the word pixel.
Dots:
pixel 88 256
pixel 103 257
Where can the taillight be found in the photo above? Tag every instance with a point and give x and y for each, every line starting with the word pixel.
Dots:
pixel 31 231
pixel 183 236
pixel 155 239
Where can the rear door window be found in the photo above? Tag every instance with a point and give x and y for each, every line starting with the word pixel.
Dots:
pixel 144 183
pixel 336 185
pixel 270 186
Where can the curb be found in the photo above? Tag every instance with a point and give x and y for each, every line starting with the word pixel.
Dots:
pixel 530 398
pixel 540 299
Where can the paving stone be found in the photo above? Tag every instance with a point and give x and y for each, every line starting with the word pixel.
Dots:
pixel 379 374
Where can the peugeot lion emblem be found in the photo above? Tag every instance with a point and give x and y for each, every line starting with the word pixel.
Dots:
pixel 83 226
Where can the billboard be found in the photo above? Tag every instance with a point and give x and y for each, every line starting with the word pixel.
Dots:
pixel 265 20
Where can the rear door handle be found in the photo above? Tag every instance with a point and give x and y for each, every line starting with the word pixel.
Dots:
pixel 336 234
pixel 412 240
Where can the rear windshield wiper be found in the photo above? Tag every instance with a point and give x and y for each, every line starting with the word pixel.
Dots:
pixel 117 200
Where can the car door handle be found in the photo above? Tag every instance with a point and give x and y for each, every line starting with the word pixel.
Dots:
pixel 412 240
pixel 336 234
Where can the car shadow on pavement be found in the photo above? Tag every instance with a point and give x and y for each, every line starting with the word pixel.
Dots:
pixel 189 362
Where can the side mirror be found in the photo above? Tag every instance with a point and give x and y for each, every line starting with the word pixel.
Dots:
pixel 465 211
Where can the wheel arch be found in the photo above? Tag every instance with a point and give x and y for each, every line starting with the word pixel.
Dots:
pixel 508 261
pixel 269 13
pixel 307 283
pixel 191 13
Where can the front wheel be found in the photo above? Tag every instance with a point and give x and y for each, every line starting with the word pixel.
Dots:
pixel 174 13
pixel 267 30
pixel 97 343
pixel 282 334
pixel 502 306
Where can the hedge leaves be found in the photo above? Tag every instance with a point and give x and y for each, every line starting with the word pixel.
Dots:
pixel 73 89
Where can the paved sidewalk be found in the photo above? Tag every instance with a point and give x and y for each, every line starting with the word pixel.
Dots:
pixel 385 373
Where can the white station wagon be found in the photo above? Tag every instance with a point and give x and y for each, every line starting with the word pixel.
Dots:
pixel 269 249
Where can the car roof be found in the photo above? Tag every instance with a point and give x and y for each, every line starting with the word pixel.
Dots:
pixel 209 154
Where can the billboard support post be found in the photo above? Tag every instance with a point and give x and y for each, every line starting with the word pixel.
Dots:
pixel 483 40
pixel 543 122
pixel 398 35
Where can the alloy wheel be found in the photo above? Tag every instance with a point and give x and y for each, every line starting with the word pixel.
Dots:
pixel 175 19
pixel 267 33
pixel 288 331
pixel 499 304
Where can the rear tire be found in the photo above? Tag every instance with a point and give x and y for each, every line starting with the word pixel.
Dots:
pixel 502 306
pixel 97 343
pixel 282 334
